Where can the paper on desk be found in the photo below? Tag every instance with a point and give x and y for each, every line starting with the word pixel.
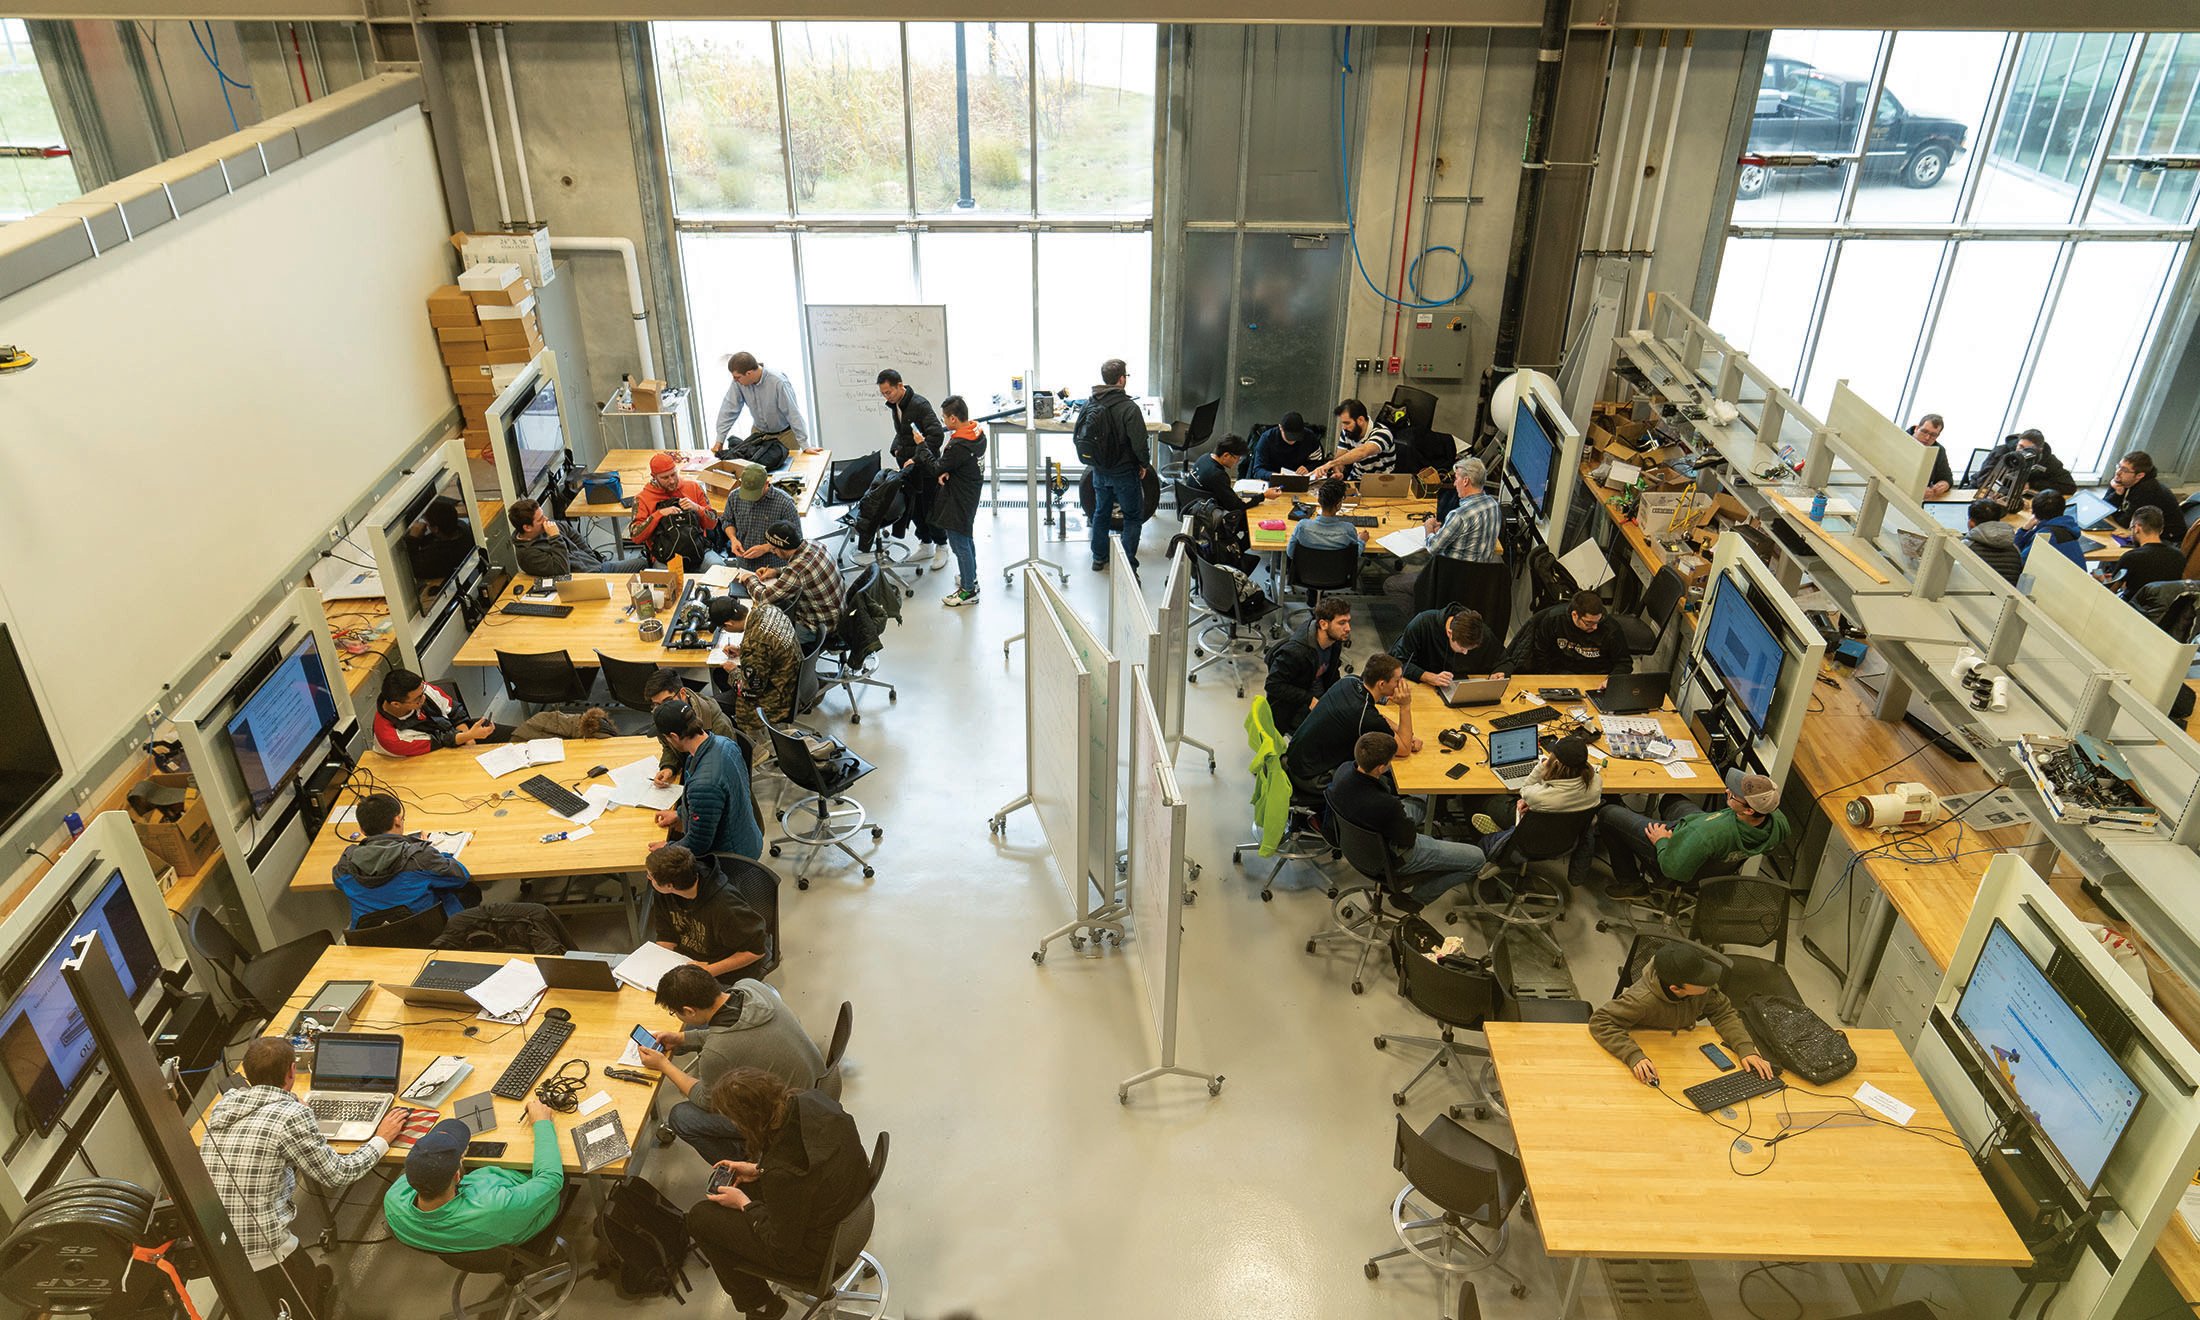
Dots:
pixel 598 797
pixel 1587 564
pixel 450 843
pixel 514 985
pixel 516 1016
pixel 725 648
pixel 2188 1207
pixel 1874 1098
pixel 646 794
pixel 594 1103
pixel 1680 770
pixel 545 751
pixel 501 761
pixel 1405 541
pixel 646 966
pixel 717 579
pixel 579 832
pixel 631 1056
pixel 1623 474
pixel 1249 486
pixel 343 815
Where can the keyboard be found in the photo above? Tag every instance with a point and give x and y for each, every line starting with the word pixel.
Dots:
pixel 452 975
pixel 533 611
pixel 1362 520
pixel 533 1058
pixel 345 1111
pixel 1519 719
pixel 554 795
pixel 1731 1088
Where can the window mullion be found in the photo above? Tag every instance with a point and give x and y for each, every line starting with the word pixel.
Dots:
pixel 1943 275
pixel 786 145
pixel 1997 102
pixel 2090 181
pixel 2022 385
pixel 908 129
pixel 1861 146
pixel 1826 272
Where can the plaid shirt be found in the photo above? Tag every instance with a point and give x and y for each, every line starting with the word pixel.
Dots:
pixel 257 1138
pixel 748 520
pixel 1470 533
pixel 808 589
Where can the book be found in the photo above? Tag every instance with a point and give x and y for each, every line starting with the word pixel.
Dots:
pixel 646 966
pixel 599 1141
pixel 436 1081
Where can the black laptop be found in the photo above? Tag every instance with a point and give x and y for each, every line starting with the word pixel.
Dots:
pixel 576 973
pixel 1293 483
pixel 1632 694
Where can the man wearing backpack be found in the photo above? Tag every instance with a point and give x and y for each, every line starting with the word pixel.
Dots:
pixel 1111 441
pixel 916 451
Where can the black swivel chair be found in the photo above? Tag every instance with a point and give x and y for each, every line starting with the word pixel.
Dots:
pixel 534 1278
pixel 1365 915
pixel 1751 912
pixel 1661 602
pixel 625 679
pixel 838 1285
pixel 1462 1187
pixel 1516 898
pixel 1548 579
pixel 547 678
pixel 1459 998
pixel 1487 589
pixel 1191 437
pixel 1317 571
pixel 846 672
pixel 1240 619
pixel 1419 406
pixel 837 1049
pixel 757 886
pixel 836 817
pixel 256 986
pixel 395 928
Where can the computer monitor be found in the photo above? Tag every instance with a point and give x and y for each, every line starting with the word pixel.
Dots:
pixel 534 437
pixel 2044 1058
pixel 45 1044
pixel 1531 456
pixel 432 538
pixel 289 711
pixel 2090 510
pixel 1744 649
pixel 29 766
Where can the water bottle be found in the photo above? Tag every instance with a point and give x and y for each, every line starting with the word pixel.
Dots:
pixel 1818 507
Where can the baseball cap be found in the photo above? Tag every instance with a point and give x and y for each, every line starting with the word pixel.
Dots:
pixel 671 716
pixel 661 463
pixel 1759 792
pixel 434 1159
pixel 1572 753
pixel 1293 426
pixel 753 481
pixel 784 536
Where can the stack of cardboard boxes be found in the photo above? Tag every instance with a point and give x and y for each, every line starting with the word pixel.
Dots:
pixel 485 327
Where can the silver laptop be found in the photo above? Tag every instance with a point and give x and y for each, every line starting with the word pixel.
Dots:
pixel 1386 485
pixel 583 588
pixel 354 1079
pixel 432 996
pixel 1513 752
pixel 1475 691
pixel 2090 511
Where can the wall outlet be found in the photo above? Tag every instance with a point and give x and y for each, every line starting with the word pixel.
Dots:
pixel 336 534
pixel 1361 366
pixel 152 716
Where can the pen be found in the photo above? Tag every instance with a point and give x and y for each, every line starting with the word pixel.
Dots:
pixel 559 837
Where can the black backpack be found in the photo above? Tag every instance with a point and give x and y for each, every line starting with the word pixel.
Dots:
pixel 1792 1036
pixel 766 453
pixel 1098 441
pixel 646 1243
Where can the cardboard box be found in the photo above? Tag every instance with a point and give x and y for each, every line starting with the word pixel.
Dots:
pixel 529 249
pixel 487 313
pixel 649 396
pixel 722 476
pixel 449 306
pixel 520 354
pixel 185 843
pixel 490 276
pixel 465 355
pixel 506 334
pixel 458 334
pixel 506 297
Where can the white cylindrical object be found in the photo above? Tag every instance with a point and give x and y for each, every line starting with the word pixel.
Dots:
pixel 1649 129
pixel 489 124
pixel 2000 700
pixel 635 305
pixel 1619 147
pixel 1967 662
pixel 1665 170
pixel 519 148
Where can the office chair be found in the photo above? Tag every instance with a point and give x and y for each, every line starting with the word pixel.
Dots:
pixel 1238 618
pixel 624 680
pixel 757 886
pixel 1538 991
pixel 837 1050
pixel 1661 603
pixel 1364 915
pixel 547 678
pixel 1419 407
pixel 1514 896
pixel 836 817
pixel 1300 839
pixel 834 1287
pixel 1487 589
pixel 1461 1186
pixel 533 1278
pixel 1459 998
pixel 258 986
pixel 848 672
pixel 1317 571
pixel 1192 435
pixel 395 928
pixel 1549 582
pixel 1751 912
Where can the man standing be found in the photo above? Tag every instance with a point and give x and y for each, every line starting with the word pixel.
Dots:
pixel 1943 479
pixel 955 506
pixel 751 510
pixel 696 914
pixel 1302 666
pixel 546 551
pixel 1571 637
pixel 747 1026
pixel 1470 532
pixel 1288 446
pixel 1364 446
pixel 715 814
pixel 671 685
pixel 808 588
pixel 437 1208
pixel 257 1139
pixel 916 450
pixel 1111 438
pixel 774 409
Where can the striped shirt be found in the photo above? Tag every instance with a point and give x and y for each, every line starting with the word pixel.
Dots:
pixel 1470 533
pixel 1384 459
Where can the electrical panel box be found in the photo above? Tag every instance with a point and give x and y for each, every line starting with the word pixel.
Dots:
pixel 1436 347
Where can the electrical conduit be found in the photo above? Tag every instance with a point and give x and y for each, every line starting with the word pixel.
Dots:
pixel 625 249
pixel 1351 219
pixel 1665 166
pixel 489 124
pixel 1619 148
pixel 1413 174
pixel 519 147
pixel 1649 133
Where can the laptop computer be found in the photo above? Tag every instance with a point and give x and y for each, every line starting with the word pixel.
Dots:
pixel 2090 511
pixel 571 589
pixel 451 974
pixel 1475 691
pixel 1292 483
pixel 429 996
pixel 1632 694
pixel 576 974
pixel 1513 752
pixel 355 1076
pixel 1386 485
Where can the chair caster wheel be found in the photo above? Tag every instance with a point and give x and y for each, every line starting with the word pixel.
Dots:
pixel 1237 857
pixel 1039 956
pixel 1382 1042
pixel 855 717
pixel 1199 653
pixel 878 832
pixel 1267 896
pixel 892 696
pixel 778 815
pixel 1358 988
pixel 1191 678
pixel 1520 1290
pixel 1122 1095
pixel 1371 1269
pixel 868 873
pixel 1451 918
pixel 802 882
pixel 1214 1087
pixel 1210 767
pixel 1310 945
pixel 1330 893
pixel 1398 1099
pixel 775 850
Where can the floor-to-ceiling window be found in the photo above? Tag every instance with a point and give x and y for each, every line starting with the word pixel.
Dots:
pixel 1985 225
pixel 1002 169
pixel 30 181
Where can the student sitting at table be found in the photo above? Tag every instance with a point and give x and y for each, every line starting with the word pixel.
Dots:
pixel 746 1025
pixel 2049 518
pixel 1690 838
pixel 697 915
pixel 1448 642
pixel 440 1206
pixel 1363 793
pixel 1677 990
pixel 1327 528
pixel 1288 446
pixel 415 717
pixel 808 588
pixel 546 551
pixel 764 676
pixel 1213 475
pixel 388 868
pixel 671 516
pixel 1468 530
pixel 2135 486
pixel 1350 708
pixel 1564 779
pixel 1571 637
pixel 1302 666
pixel 716 814
pixel 671 685
pixel 2150 559
pixel 1994 540
pixel 750 512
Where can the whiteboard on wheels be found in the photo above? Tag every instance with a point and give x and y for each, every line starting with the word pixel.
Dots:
pixel 848 345
pixel 1103 689
pixel 1156 863
pixel 1055 710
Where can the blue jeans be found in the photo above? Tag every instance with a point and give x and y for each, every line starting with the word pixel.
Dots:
pixel 634 563
pixel 1111 489
pixel 1437 866
pixel 966 559
pixel 713 1136
pixel 1626 844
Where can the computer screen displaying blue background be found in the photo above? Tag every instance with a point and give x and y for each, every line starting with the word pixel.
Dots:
pixel 1744 651
pixel 1530 456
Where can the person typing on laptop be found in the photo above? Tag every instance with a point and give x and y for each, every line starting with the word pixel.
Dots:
pixel 1690 838
pixel 1677 990
pixel 388 868
pixel 258 1138
pixel 1571 637
pixel 1363 793
pixel 1439 645
pixel 1564 779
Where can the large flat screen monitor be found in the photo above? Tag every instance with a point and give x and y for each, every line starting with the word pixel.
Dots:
pixel 2045 1059
pixel 534 435
pixel 28 764
pixel 1531 456
pixel 1745 651
pixel 277 727
pixel 432 539
pixel 44 1042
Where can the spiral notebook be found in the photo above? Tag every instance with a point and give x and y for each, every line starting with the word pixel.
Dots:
pixel 600 1141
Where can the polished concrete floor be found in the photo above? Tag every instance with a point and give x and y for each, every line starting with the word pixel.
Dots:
pixel 1018 1186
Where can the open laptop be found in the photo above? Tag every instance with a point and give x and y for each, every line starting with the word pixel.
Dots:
pixel 571 589
pixel 443 983
pixel 1632 694
pixel 2090 511
pixel 1475 691
pixel 576 974
pixel 1292 483
pixel 429 996
pixel 1513 752
pixel 354 1079
pixel 1386 485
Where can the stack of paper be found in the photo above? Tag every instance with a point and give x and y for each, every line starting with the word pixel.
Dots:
pixel 631 786
pixel 725 649
pixel 509 993
pixel 598 797
pixel 501 761
pixel 1405 541
pixel 1249 486
pixel 646 966
pixel 448 843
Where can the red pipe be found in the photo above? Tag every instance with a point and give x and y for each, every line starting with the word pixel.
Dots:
pixel 303 81
pixel 1398 309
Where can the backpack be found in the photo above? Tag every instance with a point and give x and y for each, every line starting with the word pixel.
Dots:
pixel 1792 1036
pixel 646 1243
pixel 678 536
pixel 1098 440
pixel 765 452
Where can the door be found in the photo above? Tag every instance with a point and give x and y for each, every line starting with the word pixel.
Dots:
pixel 1283 331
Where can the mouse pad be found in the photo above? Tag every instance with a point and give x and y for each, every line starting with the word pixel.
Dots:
pixel 478 1112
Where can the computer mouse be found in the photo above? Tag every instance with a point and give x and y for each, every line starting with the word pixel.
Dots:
pixel 1657 1082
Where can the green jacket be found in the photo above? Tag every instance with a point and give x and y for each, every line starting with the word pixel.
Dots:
pixel 1271 786
pixel 1710 836
pixel 494 1207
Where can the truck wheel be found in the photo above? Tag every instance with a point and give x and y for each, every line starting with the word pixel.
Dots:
pixel 1750 183
pixel 1925 169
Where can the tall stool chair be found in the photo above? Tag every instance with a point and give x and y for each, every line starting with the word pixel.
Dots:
pixel 1462 1187
pixel 533 1279
pixel 835 817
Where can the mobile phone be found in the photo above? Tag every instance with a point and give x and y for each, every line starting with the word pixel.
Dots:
pixel 484 1150
pixel 1456 771
pixel 718 1178
pixel 644 1037
pixel 1718 1057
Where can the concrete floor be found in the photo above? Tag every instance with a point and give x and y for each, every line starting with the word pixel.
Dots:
pixel 1018 1186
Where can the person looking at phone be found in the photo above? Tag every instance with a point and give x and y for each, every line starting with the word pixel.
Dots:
pixel 415 717
pixel 747 1026
pixel 1677 990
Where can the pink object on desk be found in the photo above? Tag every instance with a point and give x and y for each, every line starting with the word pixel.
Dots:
pixel 1272 524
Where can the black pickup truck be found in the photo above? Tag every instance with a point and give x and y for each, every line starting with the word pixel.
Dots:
pixel 1817 112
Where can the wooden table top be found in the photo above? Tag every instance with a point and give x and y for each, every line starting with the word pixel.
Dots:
pixel 601 1022
pixel 1426 771
pixel 1645 549
pixel 1627 1171
pixel 448 791
pixel 632 465
pixel 342 614
pixel 1391 514
pixel 594 625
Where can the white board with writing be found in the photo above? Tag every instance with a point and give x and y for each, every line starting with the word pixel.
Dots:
pixel 848 345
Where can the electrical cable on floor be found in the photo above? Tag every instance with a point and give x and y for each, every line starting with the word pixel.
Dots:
pixel 1741 1287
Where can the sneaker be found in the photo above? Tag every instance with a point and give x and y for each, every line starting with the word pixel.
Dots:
pixel 939 556
pixel 1099 565
pixel 1483 825
pixel 958 599
pixel 1627 889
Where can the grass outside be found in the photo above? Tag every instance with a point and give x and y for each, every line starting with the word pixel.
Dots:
pixel 27 120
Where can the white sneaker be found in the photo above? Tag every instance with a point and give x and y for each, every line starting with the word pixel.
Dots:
pixel 939 556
